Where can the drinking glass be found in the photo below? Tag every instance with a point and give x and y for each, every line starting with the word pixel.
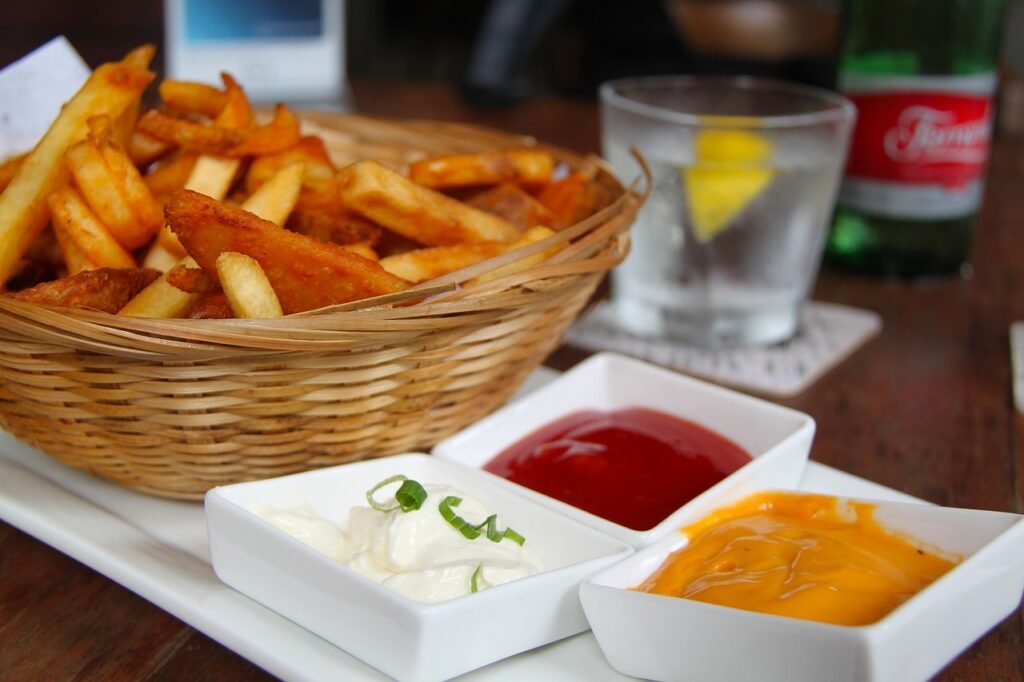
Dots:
pixel 745 173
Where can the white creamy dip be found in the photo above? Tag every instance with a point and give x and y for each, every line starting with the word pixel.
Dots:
pixel 416 553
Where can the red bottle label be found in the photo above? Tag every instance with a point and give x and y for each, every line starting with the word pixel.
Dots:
pixel 920 144
pixel 920 137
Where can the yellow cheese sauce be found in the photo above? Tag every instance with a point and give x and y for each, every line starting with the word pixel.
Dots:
pixel 798 555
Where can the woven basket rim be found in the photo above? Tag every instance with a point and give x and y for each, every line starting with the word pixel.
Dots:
pixel 593 245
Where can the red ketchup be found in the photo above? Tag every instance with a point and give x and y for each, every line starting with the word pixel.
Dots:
pixel 633 466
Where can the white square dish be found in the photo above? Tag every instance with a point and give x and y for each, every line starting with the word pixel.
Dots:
pixel 777 438
pixel 669 638
pixel 406 639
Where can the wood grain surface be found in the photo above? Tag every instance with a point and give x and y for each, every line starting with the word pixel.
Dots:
pixel 925 407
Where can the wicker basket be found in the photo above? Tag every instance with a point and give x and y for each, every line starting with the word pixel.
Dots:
pixel 175 407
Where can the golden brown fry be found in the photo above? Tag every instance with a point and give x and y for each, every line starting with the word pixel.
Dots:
pixel 191 279
pixel 9 168
pixel 281 133
pixel 363 249
pixel 144 150
pixel 340 227
pixel 86 230
pixel 572 199
pixel 309 150
pixel 416 212
pixel 195 137
pixel 75 259
pixel 144 207
pixel 534 234
pixel 111 89
pixel 304 272
pixel 424 264
pixel 462 170
pixel 514 205
pixel 275 200
pixel 105 289
pixel 102 192
pixel 170 174
pixel 189 97
pixel 246 286
pixel 212 307
pixel 161 298
pixel 140 57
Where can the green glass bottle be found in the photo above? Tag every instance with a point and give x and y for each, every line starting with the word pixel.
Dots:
pixel 922 74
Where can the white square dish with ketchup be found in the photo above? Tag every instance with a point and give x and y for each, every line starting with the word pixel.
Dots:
pixel 614 390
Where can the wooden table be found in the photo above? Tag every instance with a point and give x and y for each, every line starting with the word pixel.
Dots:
pixel 925 408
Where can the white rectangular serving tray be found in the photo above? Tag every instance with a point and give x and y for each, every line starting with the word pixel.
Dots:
pixel 158 549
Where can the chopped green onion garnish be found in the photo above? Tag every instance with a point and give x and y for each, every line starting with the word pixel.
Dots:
pixel 472 532
pixel 387 481
pixel 410 495
pixel 473 586
pixel 457 522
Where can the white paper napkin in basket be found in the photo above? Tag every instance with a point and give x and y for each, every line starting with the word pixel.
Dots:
pixel 32 91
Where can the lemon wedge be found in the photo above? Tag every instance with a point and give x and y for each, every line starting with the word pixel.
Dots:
pixel 725 178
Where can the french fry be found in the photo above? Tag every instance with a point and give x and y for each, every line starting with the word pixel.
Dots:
pixel 416 212
pixel 309 150
pixel 275 200
pixel 191 279
pixel 87 231
pixel 212 307
pixel 75 259
pixel 211 175
pixel 363 249
pixel 423 264
pixel 189 97
pixel 304 272
pixel 163 299
pixel 339 226
pixel 144 150
pixel 276 136
pixel 462 170
pixel 281 133
pixel 170 174
pixel 514 205
pixel 9 168
pixel 246 286
pixel 572 198
pixel 144 207
pixel 111 89
pixel 104 289
pixel 534 234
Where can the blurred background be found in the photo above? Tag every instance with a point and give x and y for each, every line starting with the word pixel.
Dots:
pixel 500 51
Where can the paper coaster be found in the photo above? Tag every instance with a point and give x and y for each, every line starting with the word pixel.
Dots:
pixel 1017 362
pixel 828 334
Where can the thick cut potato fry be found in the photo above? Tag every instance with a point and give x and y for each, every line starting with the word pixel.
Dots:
pixel 144 150
pixel 310 151
pixel 87 231
pixel 105 289
pixel 148 215
pixel 111 89
pixel 9 168
pixel 304 272
pixel 170 174
pixel 424 264
pixel 275 200
pixel 514 205
pixel 75 260
pixel 416 212
pixel 572 199
pixel 463 170
pixel 114 190
pixel 163 299
pixel 534 234
pixel 246 286
pixel 189 97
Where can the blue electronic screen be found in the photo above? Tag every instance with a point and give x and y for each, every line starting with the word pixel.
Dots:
pixel 220 20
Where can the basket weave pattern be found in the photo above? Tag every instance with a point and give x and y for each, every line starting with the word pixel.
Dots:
pixel 175 407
